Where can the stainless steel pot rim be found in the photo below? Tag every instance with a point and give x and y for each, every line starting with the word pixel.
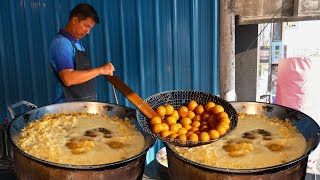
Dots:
pixel 80 167
pixel 83 167
pixel 238 171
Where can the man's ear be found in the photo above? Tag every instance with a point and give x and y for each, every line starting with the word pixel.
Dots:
pixel 75 20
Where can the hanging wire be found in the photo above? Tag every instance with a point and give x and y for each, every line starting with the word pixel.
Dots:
pixel 271 20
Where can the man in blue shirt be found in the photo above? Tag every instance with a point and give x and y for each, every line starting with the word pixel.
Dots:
pixel 70 63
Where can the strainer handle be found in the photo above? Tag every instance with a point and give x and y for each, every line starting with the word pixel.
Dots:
pixel 115 95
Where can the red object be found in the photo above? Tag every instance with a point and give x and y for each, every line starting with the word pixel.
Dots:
pixel 6 121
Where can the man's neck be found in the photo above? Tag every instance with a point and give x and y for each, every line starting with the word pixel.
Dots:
pixel 69 29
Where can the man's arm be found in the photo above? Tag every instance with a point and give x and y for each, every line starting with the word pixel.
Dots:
pixel 72 77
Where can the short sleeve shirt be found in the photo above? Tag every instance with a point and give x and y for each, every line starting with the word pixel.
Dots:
pixel 62 56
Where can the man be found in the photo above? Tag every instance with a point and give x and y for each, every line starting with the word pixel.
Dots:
pixel 71 65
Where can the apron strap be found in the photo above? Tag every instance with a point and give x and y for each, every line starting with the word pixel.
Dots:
pixel 56 74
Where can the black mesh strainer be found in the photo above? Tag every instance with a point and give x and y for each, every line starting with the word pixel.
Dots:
pixel 178 98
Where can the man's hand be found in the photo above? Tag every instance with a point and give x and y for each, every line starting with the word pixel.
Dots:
pixel 107 69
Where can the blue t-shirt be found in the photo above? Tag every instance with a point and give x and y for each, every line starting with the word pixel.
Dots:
pixel 62 56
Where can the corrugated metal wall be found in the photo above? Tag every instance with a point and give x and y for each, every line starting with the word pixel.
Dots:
pixel 155 45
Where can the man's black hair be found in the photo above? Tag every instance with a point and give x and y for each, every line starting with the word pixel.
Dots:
pixel 84 11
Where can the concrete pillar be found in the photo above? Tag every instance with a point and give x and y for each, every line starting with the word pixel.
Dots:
pixel 227 50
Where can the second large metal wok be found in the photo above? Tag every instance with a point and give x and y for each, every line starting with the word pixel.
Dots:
pixel 182 168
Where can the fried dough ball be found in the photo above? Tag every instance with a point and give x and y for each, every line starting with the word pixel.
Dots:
pixel 193 121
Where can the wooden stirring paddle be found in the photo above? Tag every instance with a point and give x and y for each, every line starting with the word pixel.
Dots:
pixel 132 96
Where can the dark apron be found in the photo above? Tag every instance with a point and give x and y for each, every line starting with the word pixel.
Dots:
pixel 80 92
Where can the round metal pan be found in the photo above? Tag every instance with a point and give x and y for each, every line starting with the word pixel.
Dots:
pixel 295 168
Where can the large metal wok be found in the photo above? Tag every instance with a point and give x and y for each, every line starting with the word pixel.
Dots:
pixel 30 167
pixel 182 168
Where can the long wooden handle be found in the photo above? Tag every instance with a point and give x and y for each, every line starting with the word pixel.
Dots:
pixel 136 100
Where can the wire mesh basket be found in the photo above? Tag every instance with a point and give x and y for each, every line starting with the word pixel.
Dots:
pixel 179 98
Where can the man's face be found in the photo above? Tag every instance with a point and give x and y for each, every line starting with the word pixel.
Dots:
pixel 82 27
